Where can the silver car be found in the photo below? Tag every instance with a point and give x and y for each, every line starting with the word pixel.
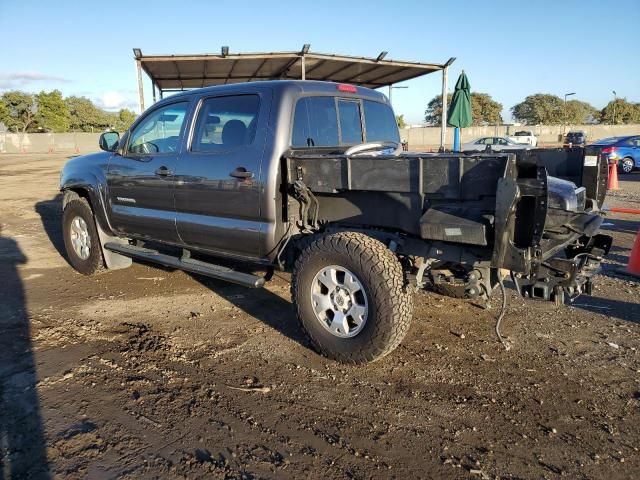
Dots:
pixel 496 143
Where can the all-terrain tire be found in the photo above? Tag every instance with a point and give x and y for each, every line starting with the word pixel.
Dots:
pixel 79 208
pixel 390 304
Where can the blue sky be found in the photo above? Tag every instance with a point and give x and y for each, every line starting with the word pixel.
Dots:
pixel 508 49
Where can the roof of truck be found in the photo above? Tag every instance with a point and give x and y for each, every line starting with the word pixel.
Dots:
pixel 284 87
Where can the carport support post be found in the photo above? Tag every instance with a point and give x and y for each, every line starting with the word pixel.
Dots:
pixel 140 89
pixel 443 125
pixel 304 69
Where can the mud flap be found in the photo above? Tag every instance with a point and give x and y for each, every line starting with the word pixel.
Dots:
pixel 112 260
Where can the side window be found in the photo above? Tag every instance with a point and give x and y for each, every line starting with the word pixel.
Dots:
pixel 481 141
pixel 350 123
pixel 315 123
pixel 501 141
pixel 226 122
pixel 159 132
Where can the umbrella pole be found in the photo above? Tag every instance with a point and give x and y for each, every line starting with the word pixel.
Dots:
pixel 456 139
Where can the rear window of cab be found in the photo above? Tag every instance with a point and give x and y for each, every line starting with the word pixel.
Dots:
pixel 326 121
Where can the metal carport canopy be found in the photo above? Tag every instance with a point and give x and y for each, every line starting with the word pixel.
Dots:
pixel 181 72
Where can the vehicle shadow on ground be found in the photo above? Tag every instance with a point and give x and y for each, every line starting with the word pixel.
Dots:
pixel 50 212
pixel 627 311
pixel 22 442
pixel 261 304
pixel 629 177
pixel 623 226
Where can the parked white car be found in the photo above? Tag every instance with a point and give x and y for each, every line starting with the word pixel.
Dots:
pixel 496 144
pixel 525 137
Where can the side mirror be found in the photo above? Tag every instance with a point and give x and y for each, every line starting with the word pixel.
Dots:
pixel 109 141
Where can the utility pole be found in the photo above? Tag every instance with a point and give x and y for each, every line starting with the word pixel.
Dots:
pixel 615 98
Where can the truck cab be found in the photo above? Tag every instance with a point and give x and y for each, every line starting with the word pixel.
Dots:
pixel 202 169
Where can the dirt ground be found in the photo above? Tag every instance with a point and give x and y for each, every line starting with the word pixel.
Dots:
pixel 152 373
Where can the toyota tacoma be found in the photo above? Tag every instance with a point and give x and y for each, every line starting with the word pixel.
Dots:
pixel 236 181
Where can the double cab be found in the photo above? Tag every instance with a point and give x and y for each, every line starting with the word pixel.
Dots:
pixel 236 181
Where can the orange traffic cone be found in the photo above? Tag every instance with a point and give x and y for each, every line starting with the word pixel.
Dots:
pixel 633 267
pixel 613 177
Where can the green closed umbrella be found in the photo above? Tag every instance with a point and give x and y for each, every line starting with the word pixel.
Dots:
pixel 459 114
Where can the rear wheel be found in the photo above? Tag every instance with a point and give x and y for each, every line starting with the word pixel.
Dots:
pixel 626 165
pixel 81 239
pixel 350 297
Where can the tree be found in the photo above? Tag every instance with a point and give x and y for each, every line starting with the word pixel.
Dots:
pixel 22 110
pixel 433 113
pixel 53 113
pixel 124 119
pixel 4 112
pixel 541 108
pixel 400 121
pixel 620 111
pixel 84 116
pixel 578 112
pixel 484 109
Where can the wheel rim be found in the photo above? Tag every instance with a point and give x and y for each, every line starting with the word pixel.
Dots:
pixel 627 166
pixel 80 239
pixel 339 301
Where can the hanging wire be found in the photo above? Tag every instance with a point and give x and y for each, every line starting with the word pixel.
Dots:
pixel 503 310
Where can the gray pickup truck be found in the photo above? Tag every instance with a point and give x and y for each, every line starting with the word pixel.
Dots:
pixel 235 181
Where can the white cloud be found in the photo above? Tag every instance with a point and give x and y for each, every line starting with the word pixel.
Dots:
pixel 19 79
pixel 115 100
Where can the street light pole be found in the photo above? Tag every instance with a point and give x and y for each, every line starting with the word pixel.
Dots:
pixel 564 114
pixel 615 97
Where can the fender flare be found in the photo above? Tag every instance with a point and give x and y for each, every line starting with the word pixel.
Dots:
pixel 93 189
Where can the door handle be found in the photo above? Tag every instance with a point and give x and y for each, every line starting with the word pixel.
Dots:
pixel 163 172
pixel 241 173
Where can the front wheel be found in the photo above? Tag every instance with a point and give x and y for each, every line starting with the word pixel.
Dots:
pixel 626 165
pixel 350 296
pixel 81 239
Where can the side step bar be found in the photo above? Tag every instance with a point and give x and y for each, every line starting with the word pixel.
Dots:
pixel 188 264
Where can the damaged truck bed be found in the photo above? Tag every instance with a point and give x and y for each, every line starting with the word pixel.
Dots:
pixel 468 215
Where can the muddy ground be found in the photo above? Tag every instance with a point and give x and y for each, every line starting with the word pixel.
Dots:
pixel 152 373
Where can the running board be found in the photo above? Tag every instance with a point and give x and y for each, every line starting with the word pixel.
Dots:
pixel 187 264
